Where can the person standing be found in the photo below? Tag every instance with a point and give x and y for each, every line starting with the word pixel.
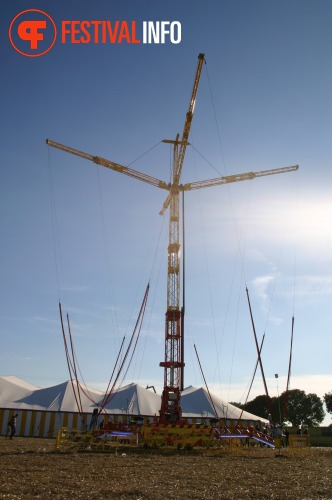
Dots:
pixel 94 418
pixel 286 433
pixel 12 425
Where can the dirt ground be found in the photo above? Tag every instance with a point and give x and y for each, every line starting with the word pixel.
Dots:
pixel 30 468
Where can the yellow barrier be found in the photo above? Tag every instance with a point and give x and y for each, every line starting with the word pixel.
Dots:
pixel 92 440
pixel 299 441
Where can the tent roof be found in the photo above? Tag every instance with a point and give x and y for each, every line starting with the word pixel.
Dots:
pixel 195 402
pixel 131 399
pixel 19 381
pixel 59 398
pixel 12 388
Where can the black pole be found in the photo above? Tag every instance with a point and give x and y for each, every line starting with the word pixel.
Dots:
pixel 259 358
pixel 183 297
pixel 284 409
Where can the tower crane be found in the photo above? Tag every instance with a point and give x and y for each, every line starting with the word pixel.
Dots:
pixel 173 363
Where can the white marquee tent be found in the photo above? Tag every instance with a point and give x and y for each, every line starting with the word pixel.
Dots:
pixel 42 410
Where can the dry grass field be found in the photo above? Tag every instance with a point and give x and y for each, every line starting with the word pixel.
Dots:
pixel 31 469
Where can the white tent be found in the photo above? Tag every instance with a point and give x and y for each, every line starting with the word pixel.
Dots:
pixel 131 399
pixel 59 398
pixel 195 402
pixel 13 388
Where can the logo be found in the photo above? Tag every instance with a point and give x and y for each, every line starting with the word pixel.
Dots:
pixel 32 33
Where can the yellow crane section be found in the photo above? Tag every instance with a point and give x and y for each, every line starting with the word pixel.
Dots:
pixel 140 176
pixel 235 178
pixel 111 164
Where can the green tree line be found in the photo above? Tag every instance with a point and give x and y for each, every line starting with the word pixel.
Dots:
pixel 301 408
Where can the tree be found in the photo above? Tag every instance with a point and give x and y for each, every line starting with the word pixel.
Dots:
pixel 237 405
pixel 260 407
pixel 328 401
pixel 303 408
pixel 257 406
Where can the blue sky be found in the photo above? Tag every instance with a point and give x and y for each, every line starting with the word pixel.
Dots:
pixel 94 238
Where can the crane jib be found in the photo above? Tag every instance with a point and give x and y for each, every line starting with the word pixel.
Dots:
pixel 235 178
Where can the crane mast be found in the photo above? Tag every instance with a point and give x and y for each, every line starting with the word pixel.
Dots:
pixel 173 363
